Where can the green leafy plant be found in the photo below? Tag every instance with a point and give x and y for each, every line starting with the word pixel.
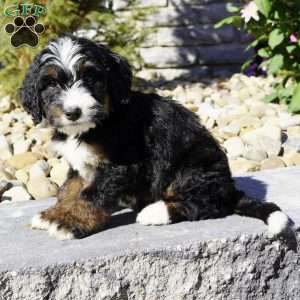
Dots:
pixel 122 35
pixel 275 27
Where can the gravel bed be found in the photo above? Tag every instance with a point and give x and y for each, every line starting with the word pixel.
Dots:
pixel 255 135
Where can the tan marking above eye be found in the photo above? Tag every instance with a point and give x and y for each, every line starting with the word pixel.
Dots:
pixel 52 72
pixel 55 111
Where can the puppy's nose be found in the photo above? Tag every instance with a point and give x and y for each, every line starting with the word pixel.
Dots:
pixel 73 113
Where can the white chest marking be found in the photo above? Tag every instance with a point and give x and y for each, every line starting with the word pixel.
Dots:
pixel 79 155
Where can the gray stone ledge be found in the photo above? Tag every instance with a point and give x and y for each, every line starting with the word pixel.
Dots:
pixel 189 74
pixel 178 16
pixel 191 36
pixel 125 4
pixel 165 57
pixel 225 70
pixel 223 54
pixel 227 258
pixel 176 57
pixel 179 3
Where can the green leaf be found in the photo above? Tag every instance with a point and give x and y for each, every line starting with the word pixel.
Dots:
pixel 275 38
pixel 290 48
pixel 295 102
pixel 232 8
pixel 233 20
pixel 246 65
pixel 264 52
pixel 264 6
pixel 271 98
pixel 275 63
pixel 285 92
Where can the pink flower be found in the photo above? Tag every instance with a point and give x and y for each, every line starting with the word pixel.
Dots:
pixel 293 38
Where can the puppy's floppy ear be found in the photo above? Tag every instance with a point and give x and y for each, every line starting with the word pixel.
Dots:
pixel 29 92
pixel 119 79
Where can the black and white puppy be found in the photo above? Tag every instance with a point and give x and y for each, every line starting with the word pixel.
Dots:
pixel 126 148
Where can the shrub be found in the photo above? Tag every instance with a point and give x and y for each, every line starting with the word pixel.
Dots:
pixel 122 35
pixel 275 27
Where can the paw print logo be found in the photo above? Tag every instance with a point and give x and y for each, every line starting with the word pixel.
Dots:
pixel 24 32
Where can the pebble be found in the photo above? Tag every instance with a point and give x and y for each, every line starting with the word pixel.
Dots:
pixel 5 151
pixel 5 104
pixel 59 172
pixel 295 159
pixel 39 169
pixel 234 147
pixel 272 163
pixel 4 186
pixel 41 188
pixel 253 153
pixel 269 145
pixel 19 161
pixel 242 165
pixel 21 146
pixel 22 175
pixel 16 194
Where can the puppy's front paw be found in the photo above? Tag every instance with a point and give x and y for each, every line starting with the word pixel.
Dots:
pixel 154 214
pixel 72 220
pixel 56 229
pixel 37 222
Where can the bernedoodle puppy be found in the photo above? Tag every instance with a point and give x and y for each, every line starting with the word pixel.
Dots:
pixel 126 148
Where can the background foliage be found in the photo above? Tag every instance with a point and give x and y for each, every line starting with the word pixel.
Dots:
pixel 122 35
pixel 276 32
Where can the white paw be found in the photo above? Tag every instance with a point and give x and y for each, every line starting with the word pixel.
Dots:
pixel 60 233
pixel 38 223
pixel 154 214
pixel 278 222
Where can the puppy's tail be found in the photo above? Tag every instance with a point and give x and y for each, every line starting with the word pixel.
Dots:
pixel 277 221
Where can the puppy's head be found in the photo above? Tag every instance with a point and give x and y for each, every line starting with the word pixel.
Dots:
pixel 75 84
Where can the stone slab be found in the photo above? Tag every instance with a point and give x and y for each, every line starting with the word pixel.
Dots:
pixel 228 258
pixel 191 36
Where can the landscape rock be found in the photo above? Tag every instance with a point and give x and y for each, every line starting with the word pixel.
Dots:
pixel 272 163
pixel 255 154
pixel 16 194
pixel 5 151
pixel 269 145
pixel 295 158
pixel 40 135
pixel 39 169
pixel 5 104
pixel 22 175
pixel 4 186
pixel 41 188
pixel 59 172
pixel 21 146
pixel 234 147
pixel 4 175
pixel 19 161
pixel 258 109
pixel 242 165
